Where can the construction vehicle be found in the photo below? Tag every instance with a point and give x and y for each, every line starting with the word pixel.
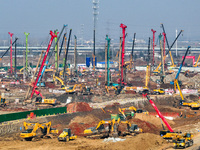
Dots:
pixel 61 81
pixel 176 83
pixel 157 71
pixel 130 130
pixel 197 62
pixel 40 100
pixel 75 88
pixel 101 130
pixel 183 141
pixel 192 105
pixel 66 135
pixel 164 133
pixel 31 134
pixel 111 89
pixel 159 91
pixel 36 130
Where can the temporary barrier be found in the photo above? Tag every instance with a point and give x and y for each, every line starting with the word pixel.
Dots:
pixel 41 112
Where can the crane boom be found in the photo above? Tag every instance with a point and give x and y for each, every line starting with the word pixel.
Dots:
pixel 44 59
pixel 159 114
pixel 169 51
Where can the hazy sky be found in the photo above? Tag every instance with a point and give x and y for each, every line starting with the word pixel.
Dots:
pixel 38 17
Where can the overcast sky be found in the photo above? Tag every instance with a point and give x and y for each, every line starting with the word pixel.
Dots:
pixel 38 17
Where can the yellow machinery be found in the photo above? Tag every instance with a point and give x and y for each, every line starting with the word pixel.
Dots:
pixel 110 88
pixel 66 135
pixel 196 64
pixel 40 100
pixel 68 72
pixel 37 130
pixel 183 141
pixel 75 88
pixel 159 91
pixel 101 130
pixel 59 79
pixel 192 105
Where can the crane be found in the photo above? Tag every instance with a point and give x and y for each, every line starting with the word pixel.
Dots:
pixel 197 61
pixel 42 65
pixel 176 82
pixel 51 53
pixel 123 52
pixel 156 71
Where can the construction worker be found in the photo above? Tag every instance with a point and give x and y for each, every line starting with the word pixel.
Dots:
pixel 181 114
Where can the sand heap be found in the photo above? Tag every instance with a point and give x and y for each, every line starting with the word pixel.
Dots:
pixel 152 119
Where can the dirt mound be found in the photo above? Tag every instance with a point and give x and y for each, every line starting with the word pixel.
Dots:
pixel 85 119
pixel 78 107
pixel 145 141
pixel 78 128
pixel 152 119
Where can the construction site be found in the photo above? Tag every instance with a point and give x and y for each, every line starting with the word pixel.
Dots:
pixel 123 102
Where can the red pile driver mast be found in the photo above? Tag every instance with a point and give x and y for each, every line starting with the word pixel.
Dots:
pixel 41 67
pixel 159 113
pixel 164 40
pixel 11 67
pixel 153 44
pixel 123 52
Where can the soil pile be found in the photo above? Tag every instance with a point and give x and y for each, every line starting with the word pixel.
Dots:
pixel 78 107
pixel 152 119
pixel 85 119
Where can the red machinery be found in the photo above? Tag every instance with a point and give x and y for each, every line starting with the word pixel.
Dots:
pixel 153 44
pixel 11 67
pixel 123 52
pixel 41 67
pixel 159 113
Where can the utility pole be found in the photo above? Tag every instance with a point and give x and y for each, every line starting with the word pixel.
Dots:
pixel 26 52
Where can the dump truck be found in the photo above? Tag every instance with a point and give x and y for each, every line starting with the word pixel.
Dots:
pixel 66 135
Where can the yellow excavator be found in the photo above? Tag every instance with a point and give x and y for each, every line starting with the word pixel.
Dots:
pixel 36 130
pixel 110 88
pixel 75 88
pixel 101 130
pixel 61 81
pixel 66 135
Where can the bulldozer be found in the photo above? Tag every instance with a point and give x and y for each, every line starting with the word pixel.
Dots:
pixel 35 131
pixel 66 135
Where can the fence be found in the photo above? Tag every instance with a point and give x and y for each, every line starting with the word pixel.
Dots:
pixel 41 112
